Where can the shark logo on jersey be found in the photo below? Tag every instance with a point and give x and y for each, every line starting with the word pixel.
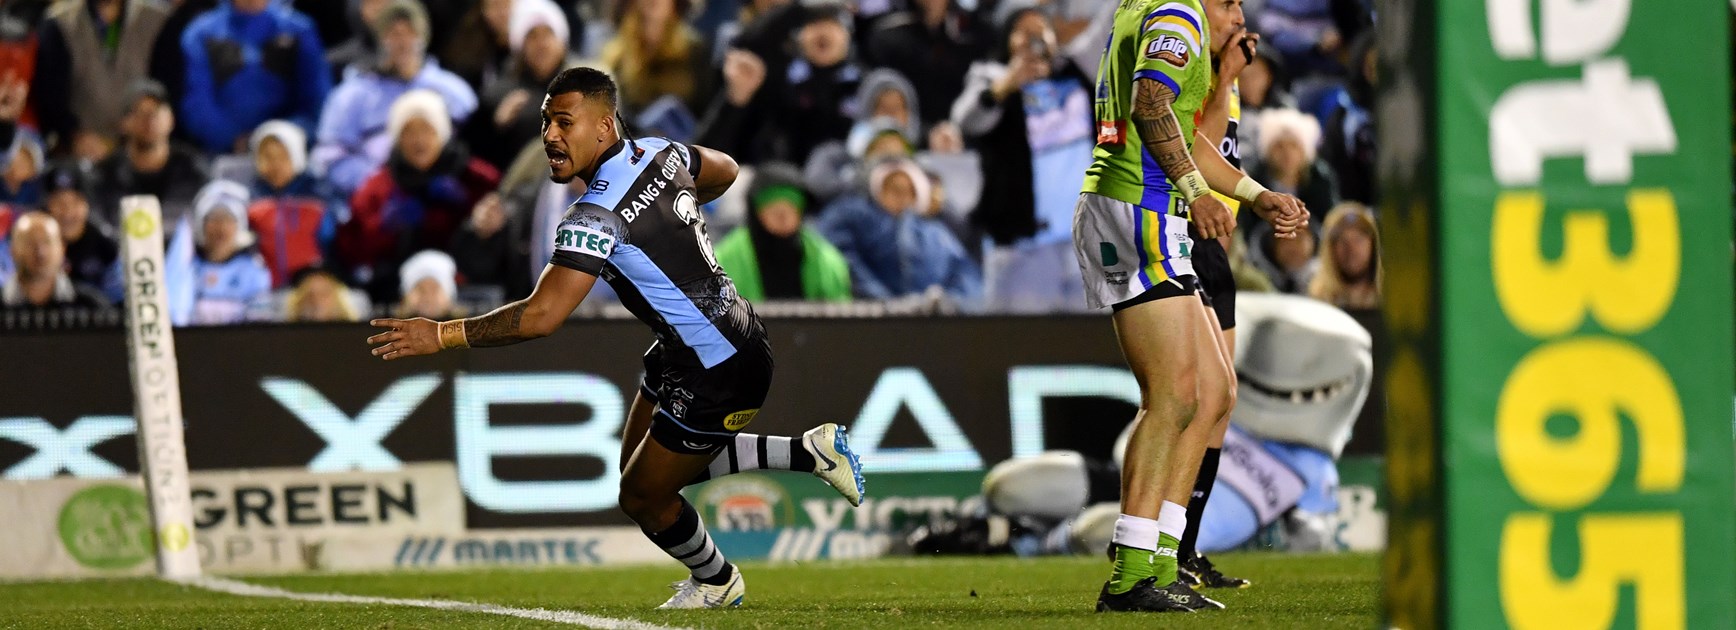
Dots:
pixel 686 208
pixel 1169 49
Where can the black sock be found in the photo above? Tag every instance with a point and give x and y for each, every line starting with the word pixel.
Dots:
pixel 800 459
pixel 688 542
pixel 1196 504
pixel 748 451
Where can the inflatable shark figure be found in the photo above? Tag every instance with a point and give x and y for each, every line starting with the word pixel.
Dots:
pixel 1303 369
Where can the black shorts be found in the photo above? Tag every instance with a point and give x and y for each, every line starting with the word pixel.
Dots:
pixel 1173 287
pixel 1217 282
pixel 700 410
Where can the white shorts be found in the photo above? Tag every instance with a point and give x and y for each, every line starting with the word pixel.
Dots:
pixel 1124 250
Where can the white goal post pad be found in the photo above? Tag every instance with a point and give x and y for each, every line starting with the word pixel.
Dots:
pixel 156 382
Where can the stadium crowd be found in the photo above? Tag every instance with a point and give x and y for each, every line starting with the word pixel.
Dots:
pixel 322 160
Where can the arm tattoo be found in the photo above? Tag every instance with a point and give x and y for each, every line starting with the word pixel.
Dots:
pixel 498 328
pixel 1159 129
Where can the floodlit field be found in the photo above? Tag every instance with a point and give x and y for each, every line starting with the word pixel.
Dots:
pixel 1290 591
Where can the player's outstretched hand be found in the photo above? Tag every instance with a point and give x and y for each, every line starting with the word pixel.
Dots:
pixel 1212 217
pixel 407 338
pixel 1285 212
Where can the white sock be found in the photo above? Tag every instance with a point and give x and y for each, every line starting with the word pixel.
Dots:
pixel 1172 520
pixel 1136 532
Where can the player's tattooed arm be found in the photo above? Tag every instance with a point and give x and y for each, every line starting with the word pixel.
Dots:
pixel 1154 117
pixel 502 327
pixel 557 293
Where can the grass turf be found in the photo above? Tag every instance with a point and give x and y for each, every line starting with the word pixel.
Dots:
pixel 1290 591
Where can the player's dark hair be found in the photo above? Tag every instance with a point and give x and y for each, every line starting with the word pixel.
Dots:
pixel 591 82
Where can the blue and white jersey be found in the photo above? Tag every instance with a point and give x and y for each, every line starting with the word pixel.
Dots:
pixel 640 229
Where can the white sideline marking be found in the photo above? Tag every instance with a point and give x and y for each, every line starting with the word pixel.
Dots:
pixel 245 589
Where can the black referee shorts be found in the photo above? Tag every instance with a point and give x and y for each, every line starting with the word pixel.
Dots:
pixel 1217 283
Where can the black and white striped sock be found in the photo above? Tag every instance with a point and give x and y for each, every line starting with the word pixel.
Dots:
pixel 688 542
pixel 758 452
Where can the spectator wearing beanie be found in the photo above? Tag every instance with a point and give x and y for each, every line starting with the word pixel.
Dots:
pixel 149 162
pixel 934 43
pixel 782 113
pixel 1290 162
pixel 429 282
pixel 249 61
pixel 656 54
pixel 894 243
pixel 887 94
pixel 429 186
pixel 21 174
pixel 885 116
pixel 89 55
pixel 511 112
pixel 479 46
pixel 228 273
pixel 353 139
pixel 295 213
pixel 1264 85
pixel 38 279
pixel 774 256
pixel 837 168
pixel 1029 115
pixel 90 245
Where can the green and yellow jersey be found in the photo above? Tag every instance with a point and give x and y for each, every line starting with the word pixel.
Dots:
pixel 1162 40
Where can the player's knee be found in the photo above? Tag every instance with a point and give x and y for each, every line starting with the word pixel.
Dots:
pixel 1229 402
pixel 639 505
pixel 1214 404
pixel 1175 406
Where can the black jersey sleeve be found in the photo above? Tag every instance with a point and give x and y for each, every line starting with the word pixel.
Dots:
pixel 692 156
pixel 586 237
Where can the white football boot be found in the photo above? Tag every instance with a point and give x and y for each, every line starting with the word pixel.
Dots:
pixel 692 593
pixel 834 462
